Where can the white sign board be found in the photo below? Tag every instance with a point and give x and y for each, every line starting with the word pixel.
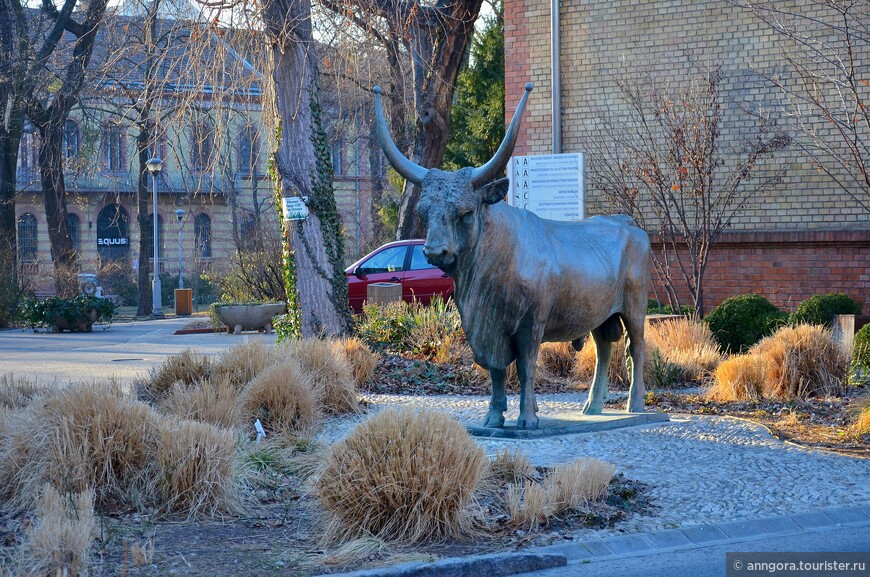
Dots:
pixel 552 186
pixel 294 208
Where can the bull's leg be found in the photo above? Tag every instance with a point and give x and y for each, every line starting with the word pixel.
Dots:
pixel 498 402
pixel 635 359
pixel 598 391
pixel 526 364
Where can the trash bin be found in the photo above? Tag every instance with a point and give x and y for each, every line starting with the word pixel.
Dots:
pixel 183 302
pixel 382 293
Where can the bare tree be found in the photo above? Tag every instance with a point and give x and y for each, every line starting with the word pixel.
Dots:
pixel 663 160
pixel 49 110
pixel 823 81
pixel 426 43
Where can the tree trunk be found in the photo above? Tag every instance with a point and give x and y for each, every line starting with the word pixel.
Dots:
pixel 303 170
pixel 51 159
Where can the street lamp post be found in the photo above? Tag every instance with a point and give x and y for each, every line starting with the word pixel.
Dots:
pixel 179 214
pixel 155 165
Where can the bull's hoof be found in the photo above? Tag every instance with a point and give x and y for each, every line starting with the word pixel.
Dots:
pixel 591 408
pixel 494 419
pixel 527 423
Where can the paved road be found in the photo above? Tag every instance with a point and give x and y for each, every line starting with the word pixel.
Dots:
pixel 123 350
pixel 710 561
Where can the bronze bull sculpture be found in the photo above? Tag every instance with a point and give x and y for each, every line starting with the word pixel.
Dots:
pixel 522 280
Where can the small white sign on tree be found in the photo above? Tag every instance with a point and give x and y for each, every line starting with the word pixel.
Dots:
pixel 294 208
pixel 552 186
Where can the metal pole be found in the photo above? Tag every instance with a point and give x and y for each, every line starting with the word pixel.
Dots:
pixel 556 75
pixel 156 289
pixel 180 269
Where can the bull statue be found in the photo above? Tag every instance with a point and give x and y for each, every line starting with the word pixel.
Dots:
pixel 521 280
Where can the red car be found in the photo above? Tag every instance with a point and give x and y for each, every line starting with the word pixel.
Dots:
pixel 401 262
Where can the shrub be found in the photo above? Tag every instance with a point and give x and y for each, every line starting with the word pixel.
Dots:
pixel 386 327
pixel 60 541
pixel 574 485
pixel 511 466
pixel 402 475
pixel 77 311
pixel 741 321
pixel 820 309
pixel 329 370
pixel 740 378
pixel 434 327
pixel 187 367
pixel 195 464
pixel 861 347
pixel 802 361
pixel 283 398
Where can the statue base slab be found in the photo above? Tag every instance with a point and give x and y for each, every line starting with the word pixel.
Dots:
pixel 569 423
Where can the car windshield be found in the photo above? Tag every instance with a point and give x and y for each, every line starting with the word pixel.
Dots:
pixel 388 260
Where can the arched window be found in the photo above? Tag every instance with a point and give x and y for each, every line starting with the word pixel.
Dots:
pixel 28 149
pixel 70 140
pixel 113 241
pixel 28 249
pixel 113 148
pixel 160 236
pixel 202 235
pixel 73 224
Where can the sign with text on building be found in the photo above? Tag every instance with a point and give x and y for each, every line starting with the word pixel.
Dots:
pixel 294 208
pixel 552 185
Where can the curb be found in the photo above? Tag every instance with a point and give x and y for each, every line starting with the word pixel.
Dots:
pixel 696 536
pixel 631 545
pixel 493 565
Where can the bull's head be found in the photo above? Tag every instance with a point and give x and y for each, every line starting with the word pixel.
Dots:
pixel 450 202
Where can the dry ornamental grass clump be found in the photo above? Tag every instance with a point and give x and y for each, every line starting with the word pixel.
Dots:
pixel 511 466
pixel 196 467
pixel 241 363
pixel 283 398
pixel 576 484
pixel 361 358
pixel 529 505
pixel 186 368
pixel 740 378
pixel 802 361
pixel 555 360
pixel 330 372
pixel 402 475
pixel 688 344
pixel 17 392
pixel 215 401
pixel 60 541
pixel 861 426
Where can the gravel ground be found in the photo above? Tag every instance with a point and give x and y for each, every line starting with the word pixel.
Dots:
pixel 701 469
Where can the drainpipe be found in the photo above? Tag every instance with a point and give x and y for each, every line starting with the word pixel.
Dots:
pixel 556 75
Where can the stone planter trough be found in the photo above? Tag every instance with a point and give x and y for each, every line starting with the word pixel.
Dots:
pixel 249 317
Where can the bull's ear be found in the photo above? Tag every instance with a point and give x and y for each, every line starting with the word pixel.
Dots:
pixel 494 191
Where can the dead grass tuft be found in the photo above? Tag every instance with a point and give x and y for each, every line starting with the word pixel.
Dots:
pixel 511 466
pixel 529 505
pixel 574 485
pixel 740 378
pixel 215 401
pixel 802 361
pixel 283 398
pixel 555 360
pixel 187 368
pixel 361 358
pixel 330 372
pixel 242 363
pixel 357 550
pixel 454 349
pixel 196 467
pixel 861 426
pixel 60 541
pixel 688 344
pixel 17 392
pixel 402 475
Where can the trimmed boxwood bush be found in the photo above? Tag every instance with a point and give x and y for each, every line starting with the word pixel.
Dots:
pixel 741 321
pixel 74 310
pixel 820 309
pixel 861 346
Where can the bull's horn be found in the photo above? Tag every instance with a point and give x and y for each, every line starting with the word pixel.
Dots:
pixel 492 169
pixel 413 172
